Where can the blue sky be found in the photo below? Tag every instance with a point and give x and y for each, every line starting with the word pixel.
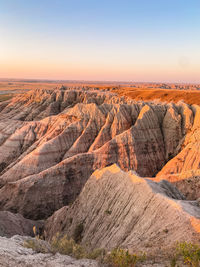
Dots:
pixel 138 40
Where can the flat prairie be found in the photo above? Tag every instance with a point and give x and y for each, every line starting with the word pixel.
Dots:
pixel 165 95
pixel 190 94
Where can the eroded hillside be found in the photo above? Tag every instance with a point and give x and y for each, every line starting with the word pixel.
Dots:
pixel 121 209
pixel 52 141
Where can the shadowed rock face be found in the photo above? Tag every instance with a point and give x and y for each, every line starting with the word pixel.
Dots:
pixel 52 140
pixel 184 168
pixel 119 209
pixel 15 224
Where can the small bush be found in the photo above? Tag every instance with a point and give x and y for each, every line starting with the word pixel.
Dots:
pixel 2 166
pixel 108 212
pixel 184 252
pixel 173 261
pixel 67 246
pixel 78 233
pixel 97 254
pixel 37 245
pixel 122 258
pixel 190 253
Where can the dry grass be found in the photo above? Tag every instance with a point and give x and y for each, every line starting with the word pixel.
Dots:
pixel 27 85
pixel 38 245
pixel 5 97
pixel 122 258
pixel 181 254
pixel 168 95
pixel 65 246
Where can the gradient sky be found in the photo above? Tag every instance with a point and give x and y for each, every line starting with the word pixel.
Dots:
pixel 121 40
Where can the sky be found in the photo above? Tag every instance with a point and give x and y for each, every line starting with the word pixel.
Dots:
pixel 104 40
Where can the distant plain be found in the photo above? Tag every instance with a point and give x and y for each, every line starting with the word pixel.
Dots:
pixel 164 92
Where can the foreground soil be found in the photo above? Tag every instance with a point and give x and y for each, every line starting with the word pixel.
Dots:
pixel 13 253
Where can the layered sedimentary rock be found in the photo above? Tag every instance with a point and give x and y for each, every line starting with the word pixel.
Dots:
pixel 52 140
pixel 184 168
pixel 121 209
pixel 15 224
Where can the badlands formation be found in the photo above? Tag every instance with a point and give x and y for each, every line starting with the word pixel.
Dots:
pixel 127 171
pixel 121 209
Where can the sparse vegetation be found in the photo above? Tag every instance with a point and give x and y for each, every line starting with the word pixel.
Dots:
pixel 78 232
pixel 37 245
pixel 166 231
pixel 190 253
pixel 173 261
pixel 5 97
pixel 67 246
pixel 108 212
pixel 184 253
pixel 122 258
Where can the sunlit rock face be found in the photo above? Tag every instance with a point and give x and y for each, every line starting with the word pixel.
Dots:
pixel 52 141
pixel 121 209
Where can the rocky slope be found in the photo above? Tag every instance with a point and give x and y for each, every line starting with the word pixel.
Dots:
pixel 13 253
pixel 121 209
pixel 52 140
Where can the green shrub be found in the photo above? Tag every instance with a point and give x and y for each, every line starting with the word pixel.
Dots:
pixel 67 246
pixel 173 261
pixel 190 253
pixel 37 245
pixel 97 254
pixel 166 231
pixel 122 258
pixel 78 233
pixel 184 252
pixel 108 212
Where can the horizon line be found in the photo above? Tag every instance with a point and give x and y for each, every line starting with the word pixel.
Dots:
pixel 93 81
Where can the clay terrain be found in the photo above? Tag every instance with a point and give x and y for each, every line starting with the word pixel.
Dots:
pixel 119 161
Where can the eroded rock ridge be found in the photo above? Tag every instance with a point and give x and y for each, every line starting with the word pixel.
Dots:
pixel 52 141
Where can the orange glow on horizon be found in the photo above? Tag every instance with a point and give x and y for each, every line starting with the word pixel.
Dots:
pixel 54 70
